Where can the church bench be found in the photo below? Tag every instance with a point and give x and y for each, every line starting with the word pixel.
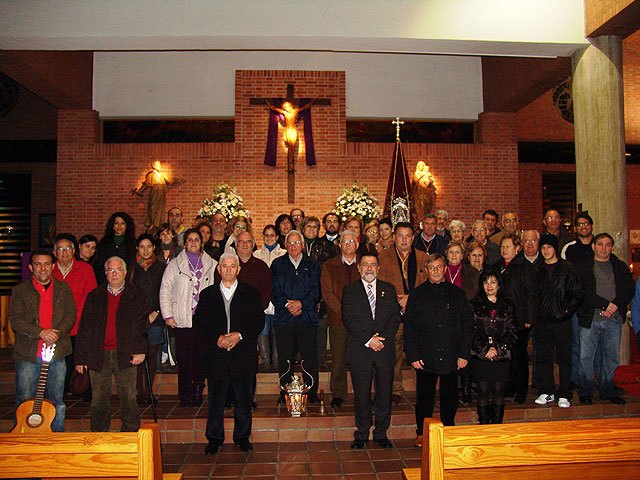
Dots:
pixel 593 449
pixel 72 455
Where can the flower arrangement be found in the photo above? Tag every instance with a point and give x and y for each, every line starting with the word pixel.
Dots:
pixel 226 201
pixel 355 200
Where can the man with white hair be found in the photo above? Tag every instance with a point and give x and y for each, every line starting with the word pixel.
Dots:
pixel 228 319
pixel 110 342
pixel 295 295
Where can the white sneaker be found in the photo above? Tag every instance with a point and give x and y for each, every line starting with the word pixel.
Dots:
pixel 563 403
pixel 165 357
pixel 544 399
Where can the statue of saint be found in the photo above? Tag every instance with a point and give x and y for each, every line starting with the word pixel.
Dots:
pixel 156 181
pixel 290 134
pixel 424 190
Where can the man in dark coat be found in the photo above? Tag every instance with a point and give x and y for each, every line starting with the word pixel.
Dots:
pixel 371 316
pixel 295 295
pixel 560 294
pixel 112 339
pixel 228 319
pixel 438 327
pixel 608 289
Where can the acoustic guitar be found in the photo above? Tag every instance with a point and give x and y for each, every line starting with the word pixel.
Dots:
pixel 36 416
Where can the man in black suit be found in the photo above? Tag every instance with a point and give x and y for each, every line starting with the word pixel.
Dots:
pixel 228 319
pixel 371 316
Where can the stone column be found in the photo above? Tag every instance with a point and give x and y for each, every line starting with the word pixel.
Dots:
pixel 598 109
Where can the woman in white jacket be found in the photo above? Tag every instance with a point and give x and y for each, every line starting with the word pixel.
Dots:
pixel 268 253
pixel 184 278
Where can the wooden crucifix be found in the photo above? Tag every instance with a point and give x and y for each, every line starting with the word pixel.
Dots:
pixel 288 112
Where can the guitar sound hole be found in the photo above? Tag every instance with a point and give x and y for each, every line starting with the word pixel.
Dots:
pixel 34 420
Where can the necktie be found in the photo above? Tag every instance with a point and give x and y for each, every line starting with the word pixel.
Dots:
pixel 372 300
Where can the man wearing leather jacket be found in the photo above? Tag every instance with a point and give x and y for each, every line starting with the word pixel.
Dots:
pixel 561 292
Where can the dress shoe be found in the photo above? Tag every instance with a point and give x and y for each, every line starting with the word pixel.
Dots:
pixel 384 443
pixel 418 442
pixel 357 445
pixel 213 447
pixel 586 400
pixel 396 398
pixel 244 444
pixel 336 402
pixel 519 399
pixel 618 400
pixel 313 399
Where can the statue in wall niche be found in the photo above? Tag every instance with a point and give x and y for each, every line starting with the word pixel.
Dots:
pixel 424 190
pixel 156 181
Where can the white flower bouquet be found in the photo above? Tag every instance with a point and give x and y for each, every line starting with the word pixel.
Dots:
pixel 355 200
pixel 226 201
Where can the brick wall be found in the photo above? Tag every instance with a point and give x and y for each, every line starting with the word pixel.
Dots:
pixel 95 179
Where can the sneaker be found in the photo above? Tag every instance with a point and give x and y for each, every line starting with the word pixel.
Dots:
pixel 164 357
pixel 563 403
pixel 544 399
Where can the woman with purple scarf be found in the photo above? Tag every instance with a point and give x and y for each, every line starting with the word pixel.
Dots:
pixel 184 278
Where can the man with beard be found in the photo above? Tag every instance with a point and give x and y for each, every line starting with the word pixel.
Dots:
pixel 218 235
pixel 371 316
pixel 331 223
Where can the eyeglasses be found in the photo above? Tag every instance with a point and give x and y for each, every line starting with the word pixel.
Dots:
pixel 435 268
pixel 113 270
pixel 294 243
pixel 584 224
pixel 240 226
pixel 64 249
pixel 347 242
pixel 530 241
pixel 509 220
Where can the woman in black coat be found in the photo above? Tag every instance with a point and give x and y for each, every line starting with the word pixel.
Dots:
pixel 119 240
pixel 494 333
pixel 521 287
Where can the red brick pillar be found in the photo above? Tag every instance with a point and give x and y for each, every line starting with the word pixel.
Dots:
pixel 78 133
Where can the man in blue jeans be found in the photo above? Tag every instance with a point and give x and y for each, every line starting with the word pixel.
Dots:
pixel 42 312
pixel 608 289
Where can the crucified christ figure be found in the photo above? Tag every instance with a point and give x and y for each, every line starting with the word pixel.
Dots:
pixel 290 134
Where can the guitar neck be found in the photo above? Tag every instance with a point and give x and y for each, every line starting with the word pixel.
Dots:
pixel 42 385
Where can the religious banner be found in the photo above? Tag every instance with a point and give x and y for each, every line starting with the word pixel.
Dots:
pixel 398 205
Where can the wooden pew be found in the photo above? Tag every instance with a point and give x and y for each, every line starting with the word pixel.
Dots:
pixel 72 455
pixel 594 449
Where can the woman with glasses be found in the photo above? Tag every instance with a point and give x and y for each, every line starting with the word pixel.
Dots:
pixel 236 226
pixel 456 230
pixel 184 278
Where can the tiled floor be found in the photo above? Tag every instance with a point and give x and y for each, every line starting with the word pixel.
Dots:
pixel 326 460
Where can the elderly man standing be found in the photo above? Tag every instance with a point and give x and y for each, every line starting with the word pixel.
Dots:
pixel 111 343
pixel 404 267
pixel 336 274
pixel 442 220
pixel 295 294
pixel 510 224
pixel 531 247
pixel 228 319
pixel 438 327
pixel 479 234
pixel 42 312
pixel 80 278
